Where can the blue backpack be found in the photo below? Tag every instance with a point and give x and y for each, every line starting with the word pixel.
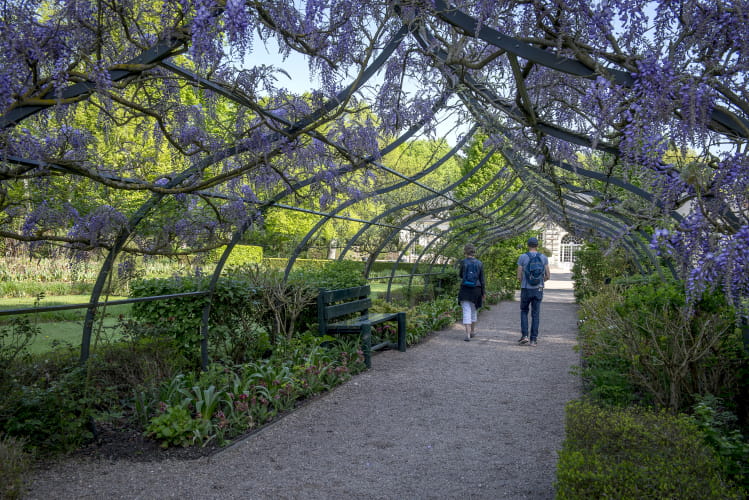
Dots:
pixel 471 272
pixel 534 269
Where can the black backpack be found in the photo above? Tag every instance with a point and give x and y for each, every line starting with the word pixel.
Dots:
pixel 534 269
pixel 471 272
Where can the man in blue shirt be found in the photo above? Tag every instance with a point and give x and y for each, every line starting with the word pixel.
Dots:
pixel 530 294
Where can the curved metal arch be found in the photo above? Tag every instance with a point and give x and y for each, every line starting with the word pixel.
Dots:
pixel 501 193
pixel 437 209
pixel 537 187
pixel 391 147
pixel 156 198
pixel 582 217
pixel 514 114
pixel 387 212
pixel 457 240
pixel 295 127
pixel 469 227
pixel 513 227
pixel 415 264
pixel 586 213
pixel 493 125
pixel 456 75
pixel 721 121
pixel 440 252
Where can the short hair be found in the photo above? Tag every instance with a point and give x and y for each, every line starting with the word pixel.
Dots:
pixel 533 242
pixel 469 249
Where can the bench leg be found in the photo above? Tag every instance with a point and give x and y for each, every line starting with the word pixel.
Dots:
pixel 402 331
pixel 366 344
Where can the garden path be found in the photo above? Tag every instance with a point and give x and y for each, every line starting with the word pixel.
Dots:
pixel 446 419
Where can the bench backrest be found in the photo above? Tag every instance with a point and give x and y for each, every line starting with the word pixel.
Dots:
pixel 332 304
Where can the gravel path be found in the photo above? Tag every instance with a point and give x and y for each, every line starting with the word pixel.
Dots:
pixel 446 419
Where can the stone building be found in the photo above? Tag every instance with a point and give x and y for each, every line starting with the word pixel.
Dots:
pixel 560 244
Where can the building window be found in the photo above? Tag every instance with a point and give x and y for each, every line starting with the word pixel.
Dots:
pixel 569 248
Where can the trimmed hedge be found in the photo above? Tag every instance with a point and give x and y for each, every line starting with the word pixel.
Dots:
pixel 634 453
pixel 241 255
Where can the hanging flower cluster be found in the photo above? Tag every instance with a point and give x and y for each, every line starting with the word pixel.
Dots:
pixel 152 120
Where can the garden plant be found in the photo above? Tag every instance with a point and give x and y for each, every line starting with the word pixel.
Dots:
pixel 379 138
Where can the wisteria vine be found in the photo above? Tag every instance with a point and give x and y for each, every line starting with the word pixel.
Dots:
pixel 92 128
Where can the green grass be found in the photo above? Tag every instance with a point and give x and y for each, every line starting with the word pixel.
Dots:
pixel 67 333
pixel 60 300
pixel 61 327
pixel 383 287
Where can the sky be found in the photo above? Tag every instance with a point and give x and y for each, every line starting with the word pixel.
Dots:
pixel 300 80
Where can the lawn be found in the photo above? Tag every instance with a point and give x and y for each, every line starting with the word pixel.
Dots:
pixel 60 327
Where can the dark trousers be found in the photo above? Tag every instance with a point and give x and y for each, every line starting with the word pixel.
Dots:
pixel 530 300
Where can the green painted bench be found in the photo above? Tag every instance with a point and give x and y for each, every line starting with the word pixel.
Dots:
pixel 347 311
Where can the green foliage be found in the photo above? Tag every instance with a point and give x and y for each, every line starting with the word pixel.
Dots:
pixel 644 340
pixel 241 255
pixel 593 269
pixel 235 301
pixel 428 317
pixel 605 369
pixel 178 317
pixel 15 466
pixel 52 415
pixel 331 275
pixel 243 302
pixel 14 341
pixel 176 427
pixel 720 429
pixel 223 402
pixel 471 189
pixel 500 266
pixel 633 454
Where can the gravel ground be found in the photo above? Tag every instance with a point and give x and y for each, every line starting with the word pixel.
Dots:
pixel 446 419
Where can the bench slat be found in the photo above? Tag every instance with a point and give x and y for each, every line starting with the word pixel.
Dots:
pixel 355 292
pixel 345 308
pixel 348 302
pixel 355 323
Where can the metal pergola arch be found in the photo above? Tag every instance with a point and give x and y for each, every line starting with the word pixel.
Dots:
pixel 572 211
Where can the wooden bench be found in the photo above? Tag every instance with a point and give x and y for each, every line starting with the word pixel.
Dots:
pixel 349 307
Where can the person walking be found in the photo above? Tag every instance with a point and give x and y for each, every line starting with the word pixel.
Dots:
pixel 472 289
pixel 533 271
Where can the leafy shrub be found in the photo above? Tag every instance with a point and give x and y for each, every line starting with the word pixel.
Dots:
pixel 605 368
pixel 632 454
pixel 51 414
pixel 15 465
pixel 593 269
pixel 248 298
pixel 14 341
pixel 178 317
pixel 237 302
pixel 721 432
pixel 223 402
pixel 176 427
pixel 428 317
pixel 668 350
pixel 140 362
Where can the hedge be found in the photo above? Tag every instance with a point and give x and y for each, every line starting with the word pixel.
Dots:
pixel 634 453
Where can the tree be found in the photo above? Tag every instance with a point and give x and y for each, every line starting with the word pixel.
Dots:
pixel 546 81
